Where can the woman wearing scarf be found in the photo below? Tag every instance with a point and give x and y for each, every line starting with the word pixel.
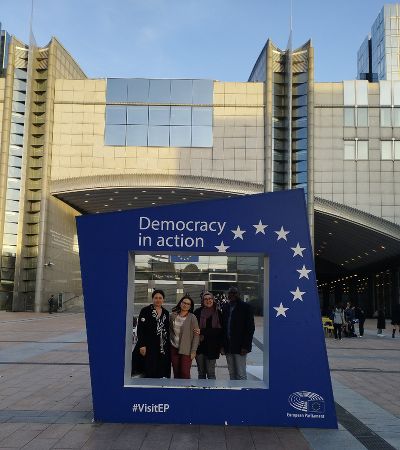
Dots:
pixel 153 338
pixel 210 320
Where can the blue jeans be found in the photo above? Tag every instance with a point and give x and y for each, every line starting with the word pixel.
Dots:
pixel 236 366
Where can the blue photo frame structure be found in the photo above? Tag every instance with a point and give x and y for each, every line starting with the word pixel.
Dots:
pixel 297 391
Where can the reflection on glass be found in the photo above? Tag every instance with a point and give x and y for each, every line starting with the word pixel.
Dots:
pixel 397 150
pixel 396 117
pixel 136 135
pixel 159 115
pixel 115 115
pixel 181 115
pixel 181 91
pixel 160 91
pixel 138 115
pixel 386 117
pixel 202 116
pixel 349 117
pixel 350 150
pixel 386 149
pixel 202 136
pixel 362 117
pixel 158 136
pixel 203 92
pixel 180 136
pixel 117 90
pixel 362 150
pixel 138 90
pixel 115 134
pixel 18 107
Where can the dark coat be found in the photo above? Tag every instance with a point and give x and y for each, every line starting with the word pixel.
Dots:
pixel 381 322
pixel 155 364
pixel 210 338
pixel 241 328
pixel 396 315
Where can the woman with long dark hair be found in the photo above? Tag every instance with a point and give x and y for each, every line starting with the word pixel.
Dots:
pixel 183 337
pixel 153 347
pixel 210 321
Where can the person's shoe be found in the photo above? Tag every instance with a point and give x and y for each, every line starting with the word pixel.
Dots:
pixel 393 335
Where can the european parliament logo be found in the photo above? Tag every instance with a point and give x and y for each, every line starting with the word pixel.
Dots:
pixel 307 402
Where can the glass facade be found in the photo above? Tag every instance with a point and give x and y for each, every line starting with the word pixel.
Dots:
pixel 169 118
pixel 13 192
pixel 377 57
pixel 195 273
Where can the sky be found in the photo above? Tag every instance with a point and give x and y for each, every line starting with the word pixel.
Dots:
pixel 214 39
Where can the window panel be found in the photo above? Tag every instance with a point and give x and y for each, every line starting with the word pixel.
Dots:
pixel 396 117
pixel 16 139
pixel 15 161
pixel 17 128
pixel 18 107
pixel 386 117
pixel 9 239
pixel 362 117
pixel 396 93
pixel 349 93
pixel 203 92
pixel 138 90
pixel 115 135
pixel 362 149
pixel 20 74
pixel 138 115
pixel 115 115
pixel 160 91
pixel 158 136
pixel 349 117
pixel 12 205
pixel 11 227
pixel 202 136
pixel 19 96
pixel 180 136
pixel 117 90
pixel 181 115
pixel 136 135
pixel 159 115
pixel 350 150
pixel 202 116
pixel 181 91
pixel 397 150
pixel 385 97
pixel 386 149
pixel 362 92
pixel 14 172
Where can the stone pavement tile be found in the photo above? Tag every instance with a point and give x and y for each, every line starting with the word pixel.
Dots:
pixel 154 444
pixel 238 438
pixel 265 438
pixel 320 439
pixel 8 428
pixel 76 437
pixel 211 434
pixel 186 438
pixel 40 444
pixel 56 431
pixel 19 438
pixel 212 446
pixel 131 437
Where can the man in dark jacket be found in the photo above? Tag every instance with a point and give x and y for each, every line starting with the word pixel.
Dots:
pixel 238 330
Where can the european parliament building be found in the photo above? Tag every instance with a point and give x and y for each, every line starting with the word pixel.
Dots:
pixel 72 145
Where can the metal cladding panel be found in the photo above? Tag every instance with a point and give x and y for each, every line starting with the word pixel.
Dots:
pixel 298 392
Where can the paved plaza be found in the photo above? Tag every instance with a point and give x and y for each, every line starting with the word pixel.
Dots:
pixel 45 397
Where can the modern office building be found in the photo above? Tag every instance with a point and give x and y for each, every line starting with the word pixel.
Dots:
pixel 72 145
pixel 378 56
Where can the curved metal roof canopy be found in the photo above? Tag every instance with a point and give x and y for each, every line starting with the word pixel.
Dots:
pixel 352 239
